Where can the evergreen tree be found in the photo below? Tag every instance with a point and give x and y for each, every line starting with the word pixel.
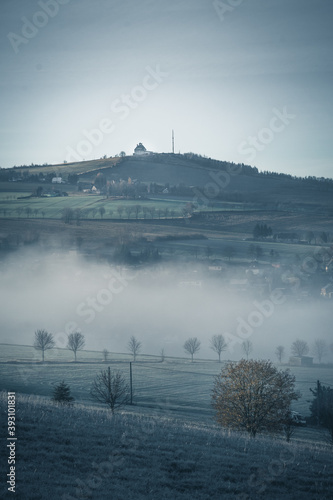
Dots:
pixel 61 393
pixel 321 407
pixel 256 231
pixel 261 231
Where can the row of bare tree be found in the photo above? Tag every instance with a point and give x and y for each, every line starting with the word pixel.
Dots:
pixel 44 341
pixel 301 348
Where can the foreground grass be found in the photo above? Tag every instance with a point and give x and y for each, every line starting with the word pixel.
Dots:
pixel 81 452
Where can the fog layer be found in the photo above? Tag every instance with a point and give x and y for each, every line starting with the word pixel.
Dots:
pixel 63 293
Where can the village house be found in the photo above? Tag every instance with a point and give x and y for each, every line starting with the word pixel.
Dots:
pixel 57 180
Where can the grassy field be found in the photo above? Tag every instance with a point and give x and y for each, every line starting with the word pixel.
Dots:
pixel 176 384
pixel 63 169
pixel 83 452
pixel 52 207
pixel 11 206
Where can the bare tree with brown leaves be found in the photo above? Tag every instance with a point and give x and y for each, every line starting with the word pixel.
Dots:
pixel 253 395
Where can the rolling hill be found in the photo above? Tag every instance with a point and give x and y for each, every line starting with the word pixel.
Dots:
pixel 209 179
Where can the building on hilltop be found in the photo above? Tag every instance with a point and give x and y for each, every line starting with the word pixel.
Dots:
pixel 140 150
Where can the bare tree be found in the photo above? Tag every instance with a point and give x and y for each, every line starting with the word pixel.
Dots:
pixel 218 344
pixel 101 211
pixel 43 341
pixel 192 346
pixel 105 354
pixel 75 342
pixel 247 347
pixel 128 210
pixel 78 215
pixel 299 348
pixel 279 353
pixel 162 354
pixel 145 212
pixel 110 388
pixel 319 349
pixel 152 212
pixel 137 210
pixel 68 215
pixel 27 211
pixel 120 211
pixel 134 347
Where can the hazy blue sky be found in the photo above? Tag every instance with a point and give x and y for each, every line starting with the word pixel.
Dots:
pixel 219 74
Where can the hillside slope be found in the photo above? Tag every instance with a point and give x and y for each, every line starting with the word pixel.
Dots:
pixel 78 452
pixel 219 180
pixel 212 179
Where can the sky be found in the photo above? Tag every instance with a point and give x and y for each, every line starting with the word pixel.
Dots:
pixel 244 81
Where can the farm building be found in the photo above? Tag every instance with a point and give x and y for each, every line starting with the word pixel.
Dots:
pixel 57 180
pixel 301 361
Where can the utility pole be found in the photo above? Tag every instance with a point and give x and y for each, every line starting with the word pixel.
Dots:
pixel 131 382
pixel 173 142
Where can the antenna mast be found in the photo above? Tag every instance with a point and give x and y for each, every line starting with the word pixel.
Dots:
pixel 173 142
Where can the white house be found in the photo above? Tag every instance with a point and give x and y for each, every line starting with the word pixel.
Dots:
pixel 140 150
pixel 57 180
